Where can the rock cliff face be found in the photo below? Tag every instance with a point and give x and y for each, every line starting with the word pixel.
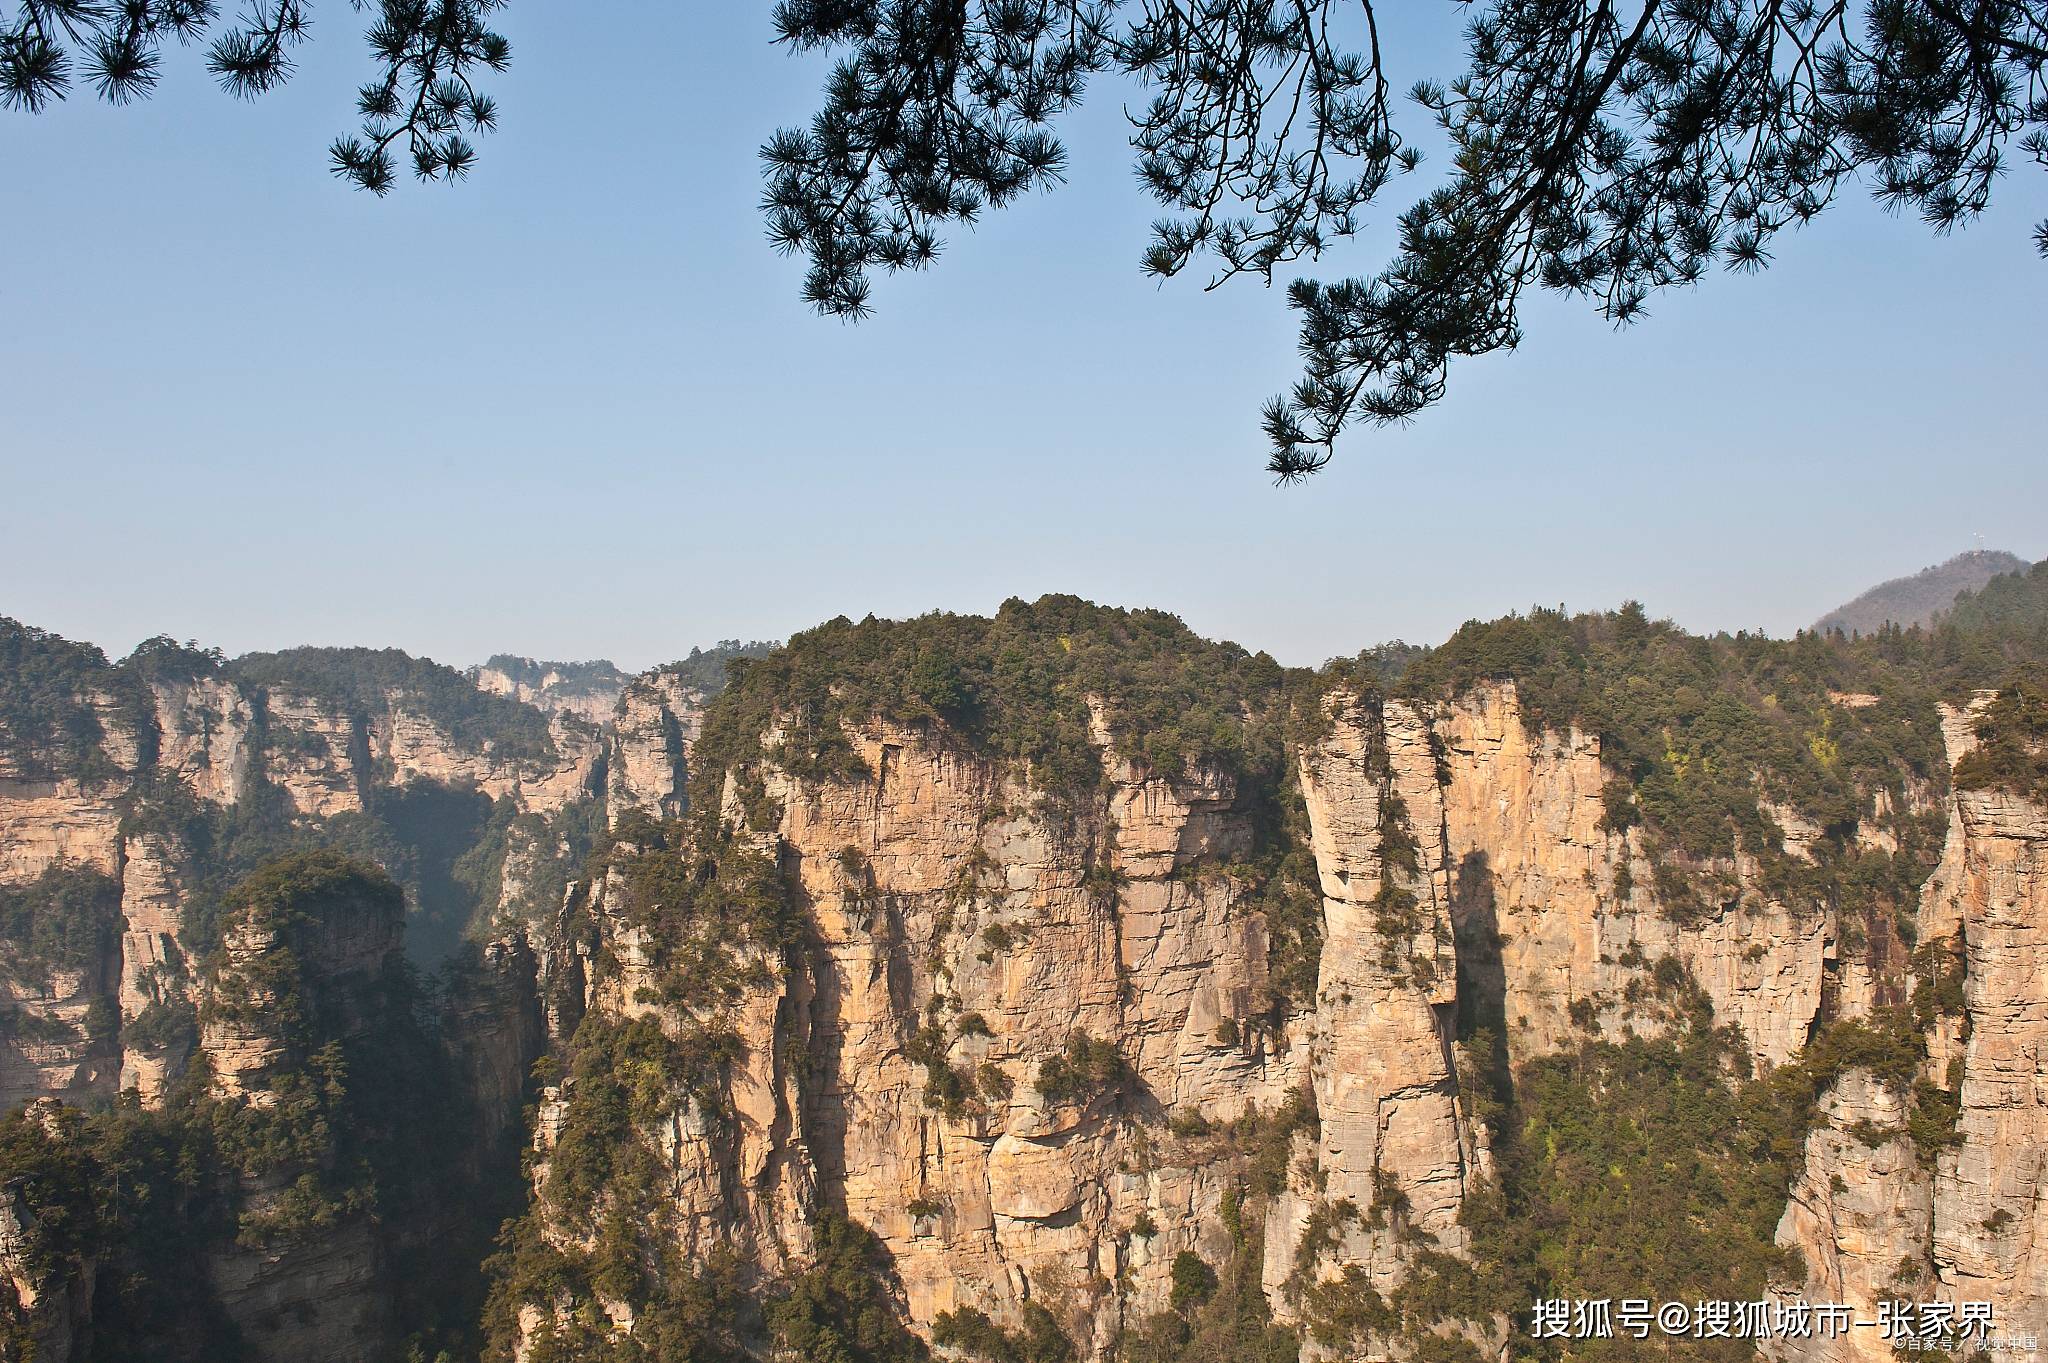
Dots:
pixel 220 746
pixel 1991 1219
pixel 1558 910
pixel 656 719
pixel 958 931
pixel 1464 865
pixel 121 854
pixel 588 690
pixel 1391 1132
pixel 1048 1042
pixel 1963 1221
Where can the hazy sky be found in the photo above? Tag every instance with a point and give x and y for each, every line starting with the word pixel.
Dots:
pixel 574 406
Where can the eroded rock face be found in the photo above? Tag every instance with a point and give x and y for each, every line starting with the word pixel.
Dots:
pixel 1555 909
pixel 1991 1219
pixel 204 732
pixel 951 900
pixel 962 928
pixel 1384 1080
pixel 50 1049
pixel 126 816
pixel 221 744
pixel 334 966
pixel 1965 1221
pixel 154 973
pixel 1044 929
pixel 655 722
pixel 1458 853
pixel 1862 1207
pixel 324 1301
pixel 589 691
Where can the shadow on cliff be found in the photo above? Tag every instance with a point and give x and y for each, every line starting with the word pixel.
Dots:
pixel 1482 979
pixel 431 838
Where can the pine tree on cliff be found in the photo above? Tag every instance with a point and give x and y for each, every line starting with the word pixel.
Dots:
pixel 1601 150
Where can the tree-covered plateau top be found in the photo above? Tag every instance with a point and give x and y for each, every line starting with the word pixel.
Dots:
pixel 53 693
pixel 48 724
pixel 1701 734
pixel 705 669
pixel 363 681
pixel 575 678
pixel 1018 686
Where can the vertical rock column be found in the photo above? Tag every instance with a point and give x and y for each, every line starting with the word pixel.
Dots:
pixel 1990 1202
pixel 1392 1142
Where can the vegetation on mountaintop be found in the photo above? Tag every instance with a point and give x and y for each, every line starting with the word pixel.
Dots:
pixel 49 725
pixel 2012 742
pixel 1701 731
pixel 1651 1154
pixel 2010 611
pixel 1016 686
pixel 571 678
pixel 363 681
pixel 705 669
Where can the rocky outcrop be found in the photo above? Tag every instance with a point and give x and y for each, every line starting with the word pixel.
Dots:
pixel 154 972
pixel 45 1299
pixel 1990 1209
pixel 276 974
pixel 49 1046
pixel 1467 876
pixel 322 1301
pixel 1557 910
pixel 218 744
pixel 1958 1219
pixel 969 890
pixel 47 823
pixel 1020 1032
pixel 1860 1210
pixel 969 931
pixel 1393 1147
pixel 151 815
pixel 495 1029
pixel 589 691
pixel 656 720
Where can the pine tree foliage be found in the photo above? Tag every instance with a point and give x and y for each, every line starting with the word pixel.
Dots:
pixel 422 101
pixel 1604 149
pixel 1601 150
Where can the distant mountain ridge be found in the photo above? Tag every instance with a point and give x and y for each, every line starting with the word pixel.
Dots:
pixel 1915 600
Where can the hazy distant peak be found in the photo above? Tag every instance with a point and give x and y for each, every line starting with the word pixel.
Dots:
pixel 1915 600
pixel 543 674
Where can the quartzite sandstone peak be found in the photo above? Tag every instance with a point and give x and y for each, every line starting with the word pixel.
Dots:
pixel 926 930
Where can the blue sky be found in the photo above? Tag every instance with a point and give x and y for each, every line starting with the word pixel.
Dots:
pixel 574 406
